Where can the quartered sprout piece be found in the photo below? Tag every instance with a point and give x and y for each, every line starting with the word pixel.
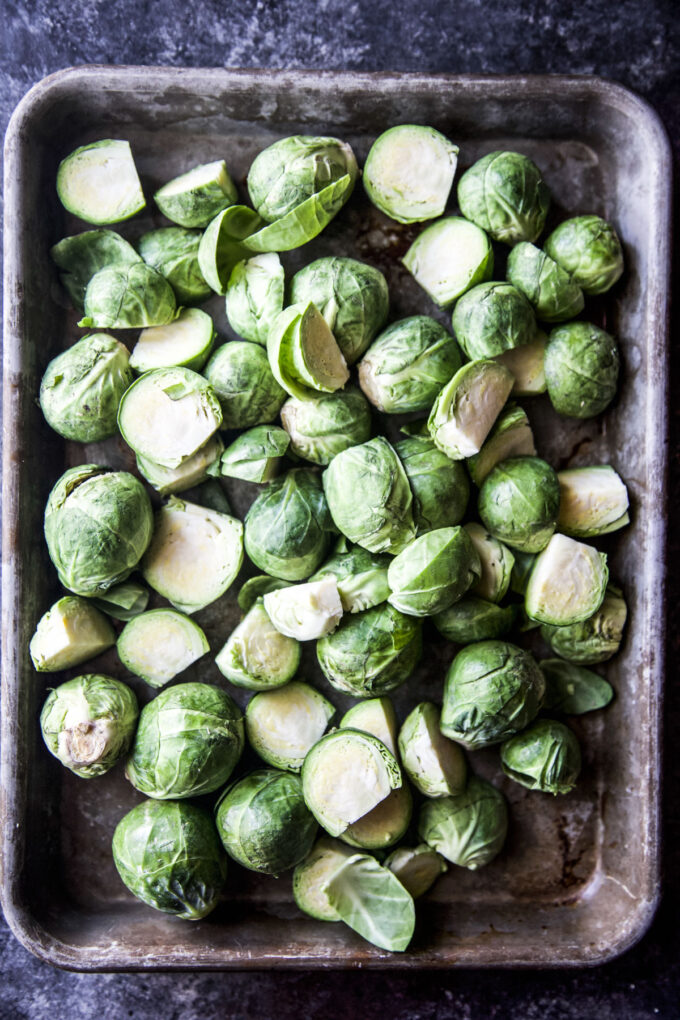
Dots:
pixel 361 576
pixel 511 436
pixel 526 365
pixel 434 764
pixel 255 296
pixel 123 601
pixel 160 644
pixel 593 501
pixel 371 900
pixel 80 256
pixel 417 868
pixel 190 472
pixel 376 716
pixel 256 655
pixel 409 172
pixel 496 563
pixel 303 354
pixel 194 198
pixel 469 828
pixel 448 258
pixel 99 183
pixel 305 611
pixel 311 876
pixel 184 343
pixel 256 454
pixel 465 410
pixel 283 725
pixel 567 583
pixel 70 632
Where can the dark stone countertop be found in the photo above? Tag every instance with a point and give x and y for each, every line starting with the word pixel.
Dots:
pixel 635 44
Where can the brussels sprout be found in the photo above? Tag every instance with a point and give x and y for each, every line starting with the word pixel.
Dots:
pixel 194 555
pixel 436 766
pixel 511 436
pixel 572 689
pixel 492 691
pixel 98 524
pixel 287 529
pixel 375 716
pixel 519 501
pixel 123 601
pixel 352 297
pixel 409 172
pixel 521 571
pixel 293 169
pixel 190 472
pixel 325 425
pixel 567 583
pixel 264 823
pixel 304 222
pixel 211 495
pixel 345 775
pixel 167 853
pixel 305 611
pixel 474 619
pixel 70 632
pixel 581 369
pixel 526 363
pixel 184 343
pixel 88 723
pixel 550 290
pixel 255 588
pixel 448 258
pixel 194 198
pixel 173 252
pixel 256 454
pixel 256 655
pixel 223 246
pixel 593 501
pixel 588 249
pixel 249 394
pixel 361 576
pixel 255 293
pixel 463 413
pixel 595 639
pixel 496 562
pixel 310 877
pixel 283 725
pixel 439 485
pixel 504 194
pixel 128 297
pixel 433 572
pixel 99 183
pixel 82 388
pixel 545 757
pixel 384 825
pixel 80 256
pixel 492 318
pixel 417 868
pixel 405 368
pixel 369 497
pixel 371 900
pixel 303 354
pixel 372 652
pixel 188 742
pixel 160 644
pixel 468 829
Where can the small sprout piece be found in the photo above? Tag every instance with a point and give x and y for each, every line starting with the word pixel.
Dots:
pixel 352 297
pixel 255 295
pixel 123 601
pixel 283 725
pixel 496 562
pixel 550 290
pixel 211 495
pixel 433 572
pixel 188 742
pixel 526 363
pixel 417 868
pixel 545 757
pixel 369 497
pixel 511 436
pixel 463 413
pixel 567 583
pixel 521 571
pixel 190 472
pixel 184 343
pixel 82 388
pixel 223 246
pixel 581 369
pixel 371 653
pixel 256 454
pixel 468 829
pixel 375 716
pixel 255 588
pixel 439 485
pixel 371 900
pixel 248 393
pixel 321 427
pixel 435 765
pixel 504 194
pixel 194 555
pixel 573 690
pixel 88 723
pixel 405 368
pixel 310 877
pixel 69 633
pixel 448 258
pixel 474 619
pixel 160 644
pixel 128 297
pixel 194 198
pixel 384 825
pixel 492 318
pixel 409 172
pixel 256 655
pixel 80 256
pixel 98 524
pixel 173 252
pixel 594 640
pixel 264 823
pixel 303 354
pixel 99 183
pixel 345 775
pixel 593 501
pixel 167 853
pixel 588 249
pixel 519 501
pixel 361 576
pixel 287 529
pixel 305 611
pixel 492 690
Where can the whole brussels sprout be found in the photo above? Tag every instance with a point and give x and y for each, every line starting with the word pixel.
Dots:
pixel 594 640
pixel 361 576
pixel 128 297
pixel 589 250
pixel 504 194
pixel 264 823
pixel 581 369
pixel 321 427
pixel 492 690
pixel 546 757
pixel 249 394
pixel 492 318
pixel 293 169
pixel 167 853
pixel 98 524
pixel 433 572
pixel 551 291
pixel 88 723
pixel 255 294
pixel 188 741
pixel 439 485
pixel 81 388
pixel 173 252
pixel 473 619
pixel 519 501
pixel 468 828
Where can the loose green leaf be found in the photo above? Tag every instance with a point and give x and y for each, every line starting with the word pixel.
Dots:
pixel 372 901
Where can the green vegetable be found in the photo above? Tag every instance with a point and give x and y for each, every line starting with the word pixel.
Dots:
pixel 435 765
pixel 409 172
pixel 595 639
pixel 305 611
pixel 466 408
pixel 69 633
pixel 128 297
pixel 80 256
pixel 581 369
pixel 184 343
pixel 361 576
pixel 311 875
pixel 384 825
pixel 321 427
pixel 433 572
pixel 256 656
pixel 173 252
pixel 99 183
pixel 417 868
pixel 294 169
pixel 588 249
pixel 572 689
pixel 283 725
pixel 504 194
pixel 371 900
pixel 544 757
pixel 474 619
pixel 593 501
pixel 468 829
pixel 255 588
pixel 194 198
pixel 448 258
pixel 375 716
pixel 123 601
pixel 255 296
pixel 496 562
pixel 248 393
pixel 160 644
pixel 303 354
pixel 567 582
pixel 439 485
pixel 190 472
pixel 551 291
pixel 526 363
pixel 256 454
pixel 511 436
pixel 492 318
pixel 519 502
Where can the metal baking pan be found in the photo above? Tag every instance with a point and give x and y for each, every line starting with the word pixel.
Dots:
pixel 578 880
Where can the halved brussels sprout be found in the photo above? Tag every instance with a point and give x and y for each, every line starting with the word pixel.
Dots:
pixel 184 343
pixel 573 690
pixel 504 194
pixel 255 294
pixel 463 413
pixel 123 601
pixel 409 172
pixel 468 829
pixel 588 249
pixel 128 297
pixel 190 472
pixel 361 576
pixel 99 183
pixel 256 454
pixel 595 639
pixel 303 354
pixel 305 611
pixel 496 563
pixel 371 900
pixel 581 369
pixel 376 716
pixel 448 258
pixel 173 252
pixel 435 765
pixel 417 868
pixel 70 632
pixel 473 619
pixel 526 363
pixel 255 588
pixel 593 501
pixel 256 655
pixel 439 485
pixel 433 572
pixel 321 427
pixel 545 757
pixel 80 256
pixel 248 393
pixel 283 725
pixel 550 290
pixel 492 318
pixel 567 582
pixel 310 877
pixel 511 436
pixel 194 198
pixel 160 644
pixel 384 825
pixel 519 501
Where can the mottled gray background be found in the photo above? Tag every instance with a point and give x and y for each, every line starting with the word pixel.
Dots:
pixel 638 44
